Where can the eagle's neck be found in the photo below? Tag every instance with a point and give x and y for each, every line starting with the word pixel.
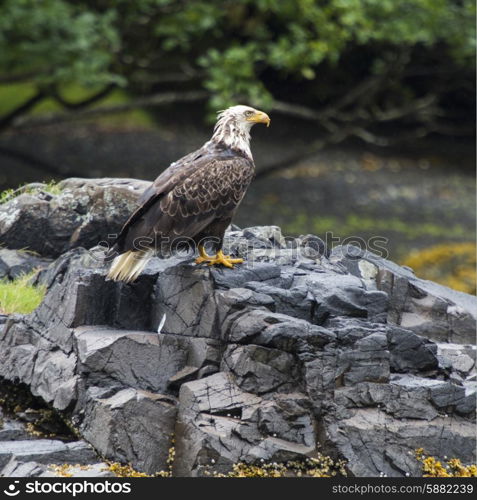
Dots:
pixel 233 134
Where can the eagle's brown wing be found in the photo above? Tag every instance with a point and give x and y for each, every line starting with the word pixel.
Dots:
pixel 187 198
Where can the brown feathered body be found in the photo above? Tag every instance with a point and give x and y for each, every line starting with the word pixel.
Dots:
pixel 193 200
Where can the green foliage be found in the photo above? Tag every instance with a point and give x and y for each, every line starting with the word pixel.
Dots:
pixel 228 47
pixel 19 295
pixel 58 41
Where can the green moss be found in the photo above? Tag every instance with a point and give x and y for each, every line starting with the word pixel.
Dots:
pixel 19 295
pixel 353 225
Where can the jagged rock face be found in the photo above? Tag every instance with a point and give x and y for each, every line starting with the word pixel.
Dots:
pixel 292 353
pixel 427 308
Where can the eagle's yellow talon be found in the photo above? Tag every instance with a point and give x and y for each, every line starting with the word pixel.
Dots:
pixel 220 258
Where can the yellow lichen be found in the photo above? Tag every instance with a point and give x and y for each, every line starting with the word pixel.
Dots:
pixel 453 265
pixel 63 470
pixel 120 470
pixel 321 466
pixel 125 470
pixel 33 431
pixel 433 467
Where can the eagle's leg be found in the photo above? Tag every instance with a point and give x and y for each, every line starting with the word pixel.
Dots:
pixel 219 258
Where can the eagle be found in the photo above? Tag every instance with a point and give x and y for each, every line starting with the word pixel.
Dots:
pixel 193 200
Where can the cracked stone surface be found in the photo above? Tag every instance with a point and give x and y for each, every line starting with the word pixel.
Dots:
pixel 297 351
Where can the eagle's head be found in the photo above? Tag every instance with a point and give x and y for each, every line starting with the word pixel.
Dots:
pixel 243 116
pixel 234 124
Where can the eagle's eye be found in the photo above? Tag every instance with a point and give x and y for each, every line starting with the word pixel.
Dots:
pixel 248 113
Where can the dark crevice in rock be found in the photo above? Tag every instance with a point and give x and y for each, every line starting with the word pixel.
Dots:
pixel 18 403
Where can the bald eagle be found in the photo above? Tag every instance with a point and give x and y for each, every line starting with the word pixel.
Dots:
pixel 194 199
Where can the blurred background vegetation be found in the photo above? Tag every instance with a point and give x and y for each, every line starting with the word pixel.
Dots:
pixel 372 105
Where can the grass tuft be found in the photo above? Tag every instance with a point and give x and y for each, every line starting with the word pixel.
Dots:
pixel 19 295
pixel 51 187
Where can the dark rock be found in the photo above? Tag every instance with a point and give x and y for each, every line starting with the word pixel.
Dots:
pixel 368 362
pixel 14 468
pixel 151 358
pixel 218 425
pixel 184 294
pixel 275 330
pixel 46 451
pixel 279 358
pixel 314 246
pixel 132 427
pixel 427 308
pixel 466 405
pixel 288 417
pixel 341 295
pixel 12 430
pixel 84 213
pixel 296 302
pixel 184 375
pixel 259 369
pixel 409 352
pixel 241 275
pixel 379 444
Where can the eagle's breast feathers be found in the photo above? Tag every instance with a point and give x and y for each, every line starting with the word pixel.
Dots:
pixel 215 184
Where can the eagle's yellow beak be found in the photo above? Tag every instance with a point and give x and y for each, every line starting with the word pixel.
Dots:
pixel 260 117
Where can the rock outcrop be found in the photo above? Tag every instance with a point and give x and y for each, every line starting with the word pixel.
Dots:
pixel 297 351
pixel 80 212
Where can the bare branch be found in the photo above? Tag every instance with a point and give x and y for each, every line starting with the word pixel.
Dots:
pixel 17 77
pixel 166 78
pixel 144 102
pixel 453 130
pixel 412 108
pixel 7 120
pixel 85 102
pixel 340 136
pixel 296 110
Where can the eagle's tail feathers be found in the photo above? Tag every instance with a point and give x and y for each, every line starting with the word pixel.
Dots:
pixel 116 266
pixel 128 266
